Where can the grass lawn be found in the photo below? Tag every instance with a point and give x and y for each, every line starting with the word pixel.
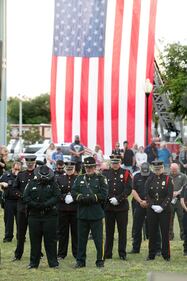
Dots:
pixel 136 268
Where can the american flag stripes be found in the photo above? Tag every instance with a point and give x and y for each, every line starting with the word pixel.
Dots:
pixel 103 52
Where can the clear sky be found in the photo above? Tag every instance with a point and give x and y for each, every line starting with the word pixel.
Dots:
pixel 29 40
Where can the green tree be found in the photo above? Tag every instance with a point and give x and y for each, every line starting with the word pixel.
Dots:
pixel 174 63
pixel 34 111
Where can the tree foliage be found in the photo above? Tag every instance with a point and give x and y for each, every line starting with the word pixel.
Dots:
pixel 174 63
pixel 34 111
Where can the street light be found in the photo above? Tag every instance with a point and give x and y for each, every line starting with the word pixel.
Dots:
pixel 20 122
pixel 148 89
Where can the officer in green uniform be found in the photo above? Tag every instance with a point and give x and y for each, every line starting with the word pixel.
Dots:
pixel 90 191
pixel 41 196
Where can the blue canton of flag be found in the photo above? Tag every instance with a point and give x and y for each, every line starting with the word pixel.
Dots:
pixel 80 28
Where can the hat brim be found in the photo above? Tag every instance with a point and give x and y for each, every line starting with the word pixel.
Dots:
pixel 89 165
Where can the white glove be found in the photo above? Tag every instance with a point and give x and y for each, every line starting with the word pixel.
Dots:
pixel 68 199
pixel 4 184
pixel 159 209
pixel 113 201
pixel 154 207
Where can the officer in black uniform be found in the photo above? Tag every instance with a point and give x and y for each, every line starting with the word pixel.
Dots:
pixel 59 169
pixel 183 200
pixel 19 185
pixel 90 191
pixel 10 200
pixel 41 196
pixel 67 212
pixel 138 193
pixel 159 193
pixel 117 206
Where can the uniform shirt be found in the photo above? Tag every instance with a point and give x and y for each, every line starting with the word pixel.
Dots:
pixel 138 184
pixel 179 180
pixel 21 181
pixel 120 187
pixel 9 178
pixel 65 184
pixel 41 198
pixel 184 194
pixel 159 191
pixel 86 185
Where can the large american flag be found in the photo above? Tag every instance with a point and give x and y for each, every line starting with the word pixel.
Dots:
pixel 103 53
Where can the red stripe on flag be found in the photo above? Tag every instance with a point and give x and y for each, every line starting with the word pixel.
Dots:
pixel 84 101
pixel 132 72
pixel 150 58
pixel 115 70
pixel 53 98
pixel 68 110
pixel 100 104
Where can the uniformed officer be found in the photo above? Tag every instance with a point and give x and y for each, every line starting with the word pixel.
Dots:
pixel 90 191
pixel 10 200
pixel 59 169
pixel 67 211
pixel 117 206
pixel 20 183
pixel 41 195
pixel 183 200
pixel 138 193
pixel 159 193
pixel 179 180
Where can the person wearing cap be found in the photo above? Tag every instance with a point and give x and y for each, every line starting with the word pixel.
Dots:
pixel 67 211
pixel 183 201
pixel 159 193
pixel 117 206
pixel 41 195
pixel 23 178
pixel 90 192
pixel 179 180
pixel 10 200
pixel 77 150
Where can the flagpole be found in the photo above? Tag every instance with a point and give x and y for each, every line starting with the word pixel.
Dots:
pixel 3 96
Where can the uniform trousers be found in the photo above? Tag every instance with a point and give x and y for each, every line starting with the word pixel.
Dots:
pixel 155 220
pixel 185 231
pixel 10 213
pixel 176 208
pixel 43 226
pixel 67 221
pixel 84 227
pixel 22 220
pixel 121 217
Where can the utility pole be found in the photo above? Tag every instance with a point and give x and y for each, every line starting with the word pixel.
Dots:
pixel 3 95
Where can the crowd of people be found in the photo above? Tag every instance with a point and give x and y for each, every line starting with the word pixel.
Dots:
pixel 76 198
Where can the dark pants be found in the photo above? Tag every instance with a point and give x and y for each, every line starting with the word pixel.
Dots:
pixel 122 220
pixel 67 221
pixel 176 208
pixel 22 220
pixel 154 221
pixel 10 213
pixel 84 227
pixel 140 221
pixel 185 230
pixel 43 227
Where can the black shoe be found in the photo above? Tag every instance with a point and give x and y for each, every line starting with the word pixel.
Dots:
pixel 100 263
pixel 5 240
pixel 79 265
pixel 16 259
pixel 150 258
pixel 123 258
pixel 133 252
pixel 55 267
pixel 31 267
